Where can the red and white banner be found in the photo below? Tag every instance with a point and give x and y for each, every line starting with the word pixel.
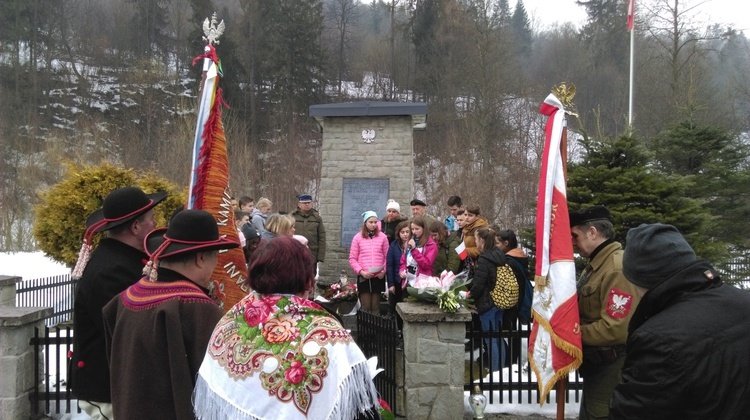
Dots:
pixel 555 340
pixel 631 14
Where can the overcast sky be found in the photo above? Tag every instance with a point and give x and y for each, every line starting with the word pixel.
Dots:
pixel 547 12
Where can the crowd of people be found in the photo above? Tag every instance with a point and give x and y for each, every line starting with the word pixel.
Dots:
pixel 663 336
pixel 149 341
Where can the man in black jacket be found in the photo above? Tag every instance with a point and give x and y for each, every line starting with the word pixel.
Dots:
pixel 689 339
pixel 127 216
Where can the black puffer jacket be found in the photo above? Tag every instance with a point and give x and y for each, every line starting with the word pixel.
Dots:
pixel 688 351
pixel 485 276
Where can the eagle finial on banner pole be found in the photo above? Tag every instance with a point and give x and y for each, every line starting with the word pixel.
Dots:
pixel 212 32
pixel 555 347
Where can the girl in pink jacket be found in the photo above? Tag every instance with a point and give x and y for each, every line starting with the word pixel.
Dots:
pixel 420 254
pixel 367 258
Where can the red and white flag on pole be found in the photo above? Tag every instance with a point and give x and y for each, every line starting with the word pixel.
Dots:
pixel 555 340
pixel 461 251
pixel 631 14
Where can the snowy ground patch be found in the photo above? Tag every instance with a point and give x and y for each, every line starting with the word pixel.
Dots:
pixel 30 265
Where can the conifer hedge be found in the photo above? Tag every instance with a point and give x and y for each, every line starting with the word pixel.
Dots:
pixel 60 215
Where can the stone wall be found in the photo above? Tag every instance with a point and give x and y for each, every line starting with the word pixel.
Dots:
pixel 346 155
pixel 433 361
pixel 17 356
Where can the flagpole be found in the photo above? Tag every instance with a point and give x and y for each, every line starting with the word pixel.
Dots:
pixel 561 398
pixel 631 28
pixel 630 99
pixel 562 382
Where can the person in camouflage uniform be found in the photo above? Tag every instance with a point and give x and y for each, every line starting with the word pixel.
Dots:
pixel 308 223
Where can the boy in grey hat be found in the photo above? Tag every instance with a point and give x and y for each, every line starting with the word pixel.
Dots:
pixel 689 339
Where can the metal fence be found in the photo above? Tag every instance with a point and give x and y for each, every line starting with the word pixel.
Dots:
pixel 51 394
pixel 379 336
pixel 515 384
pixel 56 292
pixel 51 345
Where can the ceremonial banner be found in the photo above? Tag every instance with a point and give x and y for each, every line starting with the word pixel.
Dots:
pixel 555 340
pixel 209 180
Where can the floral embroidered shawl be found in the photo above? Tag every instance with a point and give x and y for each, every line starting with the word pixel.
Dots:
pixel 282 357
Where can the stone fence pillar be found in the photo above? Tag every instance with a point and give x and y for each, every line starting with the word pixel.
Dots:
pixel 433 361
pixel 17 357
pixel 8 290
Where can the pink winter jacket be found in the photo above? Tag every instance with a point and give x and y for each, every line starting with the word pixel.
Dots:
pixel 366 253
pixel 425 259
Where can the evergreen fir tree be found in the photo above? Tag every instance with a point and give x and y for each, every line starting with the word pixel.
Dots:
pixel 619 175
pixel 716 163
pixel 521 27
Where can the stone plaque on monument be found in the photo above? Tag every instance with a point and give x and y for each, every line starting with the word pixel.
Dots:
pixel 358 196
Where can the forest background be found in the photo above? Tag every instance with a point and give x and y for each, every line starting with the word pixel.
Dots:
pixel 84 81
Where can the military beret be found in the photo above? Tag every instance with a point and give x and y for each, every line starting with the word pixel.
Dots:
pixel 417 202
pixel 589 214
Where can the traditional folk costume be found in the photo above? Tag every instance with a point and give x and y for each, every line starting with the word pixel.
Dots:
pixel 158 329
pixel 284 357
pixel 157 333
pixel 103 273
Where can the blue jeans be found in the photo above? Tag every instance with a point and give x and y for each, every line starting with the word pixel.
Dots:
pixel 492 320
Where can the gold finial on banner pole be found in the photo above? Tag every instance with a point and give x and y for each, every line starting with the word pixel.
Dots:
pixel 565 93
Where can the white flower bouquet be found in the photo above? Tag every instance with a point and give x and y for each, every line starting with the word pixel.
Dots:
pixel 449 290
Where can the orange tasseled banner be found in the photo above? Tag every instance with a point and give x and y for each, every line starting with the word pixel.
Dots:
pixel 211 192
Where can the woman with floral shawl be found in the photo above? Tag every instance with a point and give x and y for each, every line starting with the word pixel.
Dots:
pixel 276 354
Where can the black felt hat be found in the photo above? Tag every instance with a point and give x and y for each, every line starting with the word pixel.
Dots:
pixel 589 214
pixel 417 202
pixel 189 231
pixel 121 206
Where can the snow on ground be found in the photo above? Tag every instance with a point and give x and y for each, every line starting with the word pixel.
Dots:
pixel 30 265
pixel 33 265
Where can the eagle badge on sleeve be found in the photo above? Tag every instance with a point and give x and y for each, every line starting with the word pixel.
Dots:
pixel 619 303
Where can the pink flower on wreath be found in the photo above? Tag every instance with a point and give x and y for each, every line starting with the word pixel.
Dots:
pixel 295 373
pixel 277 331
pixel 257 311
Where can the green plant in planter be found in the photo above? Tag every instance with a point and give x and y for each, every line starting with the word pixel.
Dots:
pixel 60 215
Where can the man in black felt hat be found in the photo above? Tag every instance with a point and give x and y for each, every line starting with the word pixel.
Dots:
pixel 606 301
pixel 158 329
pixel 127 215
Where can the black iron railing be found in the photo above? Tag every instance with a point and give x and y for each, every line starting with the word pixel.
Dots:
pixel 515 381
pixel 379 336
pixel 51 394
pixel 56 292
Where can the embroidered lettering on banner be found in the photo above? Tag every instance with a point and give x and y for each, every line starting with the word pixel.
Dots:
pixel 619 303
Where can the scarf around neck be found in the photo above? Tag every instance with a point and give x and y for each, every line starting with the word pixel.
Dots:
pixel 279 356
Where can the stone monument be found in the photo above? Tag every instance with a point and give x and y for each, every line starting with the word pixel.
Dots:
pixel 367 158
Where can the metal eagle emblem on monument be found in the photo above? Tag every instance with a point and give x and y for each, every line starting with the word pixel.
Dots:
pixel 212 32
pixel 368 135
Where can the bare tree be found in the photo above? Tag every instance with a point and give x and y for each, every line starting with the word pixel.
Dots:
pixel 343 18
